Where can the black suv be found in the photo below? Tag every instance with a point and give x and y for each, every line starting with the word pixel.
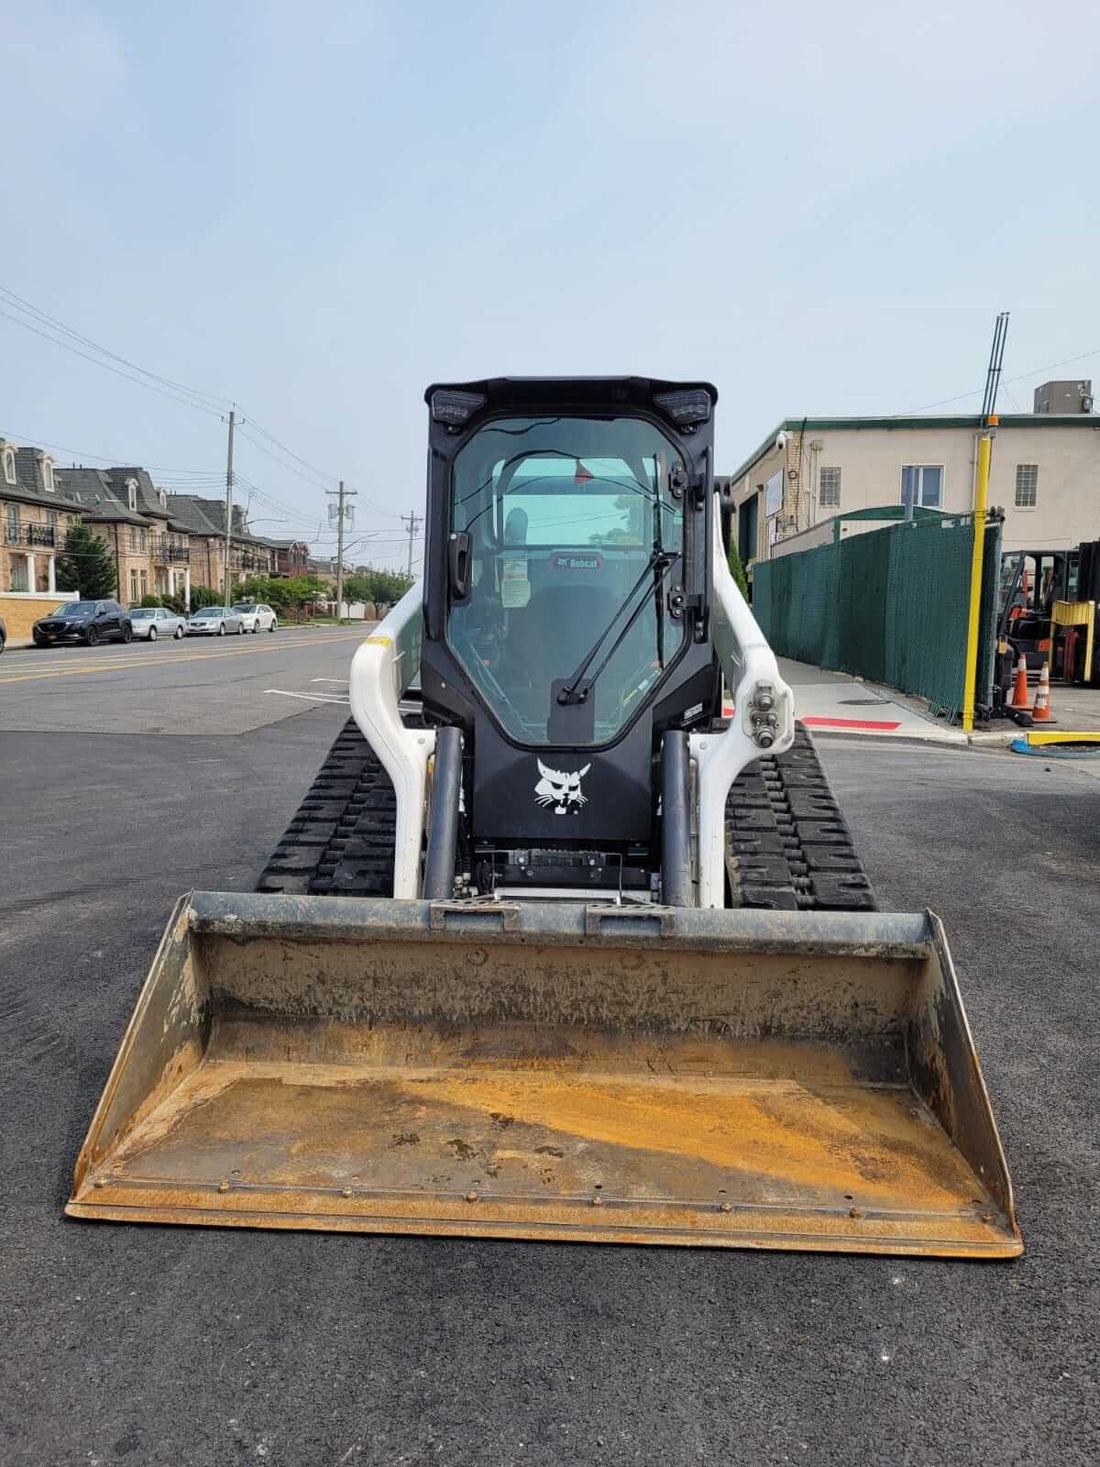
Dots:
pixel 84 621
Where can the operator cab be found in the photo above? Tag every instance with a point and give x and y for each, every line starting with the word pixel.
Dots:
pixel 567 536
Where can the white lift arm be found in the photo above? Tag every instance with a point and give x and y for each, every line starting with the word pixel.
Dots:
pixel 382 669
pixel 759 696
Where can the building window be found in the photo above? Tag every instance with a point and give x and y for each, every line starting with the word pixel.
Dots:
pixel 9 465
pixel 144 584
pixel 131 495
pixel 12 535
pixel 51 518
pixel 47 475
pixel 134 586
pixel 922 484
pixel 1027 485
pixel 19 578
pixel 828 489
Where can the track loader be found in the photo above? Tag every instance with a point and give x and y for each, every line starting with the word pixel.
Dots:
pixel 559 945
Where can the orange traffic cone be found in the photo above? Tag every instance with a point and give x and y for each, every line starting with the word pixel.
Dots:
pixel 1019 686
pixel 1041 712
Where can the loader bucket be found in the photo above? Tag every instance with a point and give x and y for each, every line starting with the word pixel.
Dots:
pixel 554 1071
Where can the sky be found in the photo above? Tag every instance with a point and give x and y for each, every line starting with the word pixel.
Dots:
pixel 313 211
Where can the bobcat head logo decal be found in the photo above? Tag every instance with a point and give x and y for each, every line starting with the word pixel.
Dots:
pixel 560 789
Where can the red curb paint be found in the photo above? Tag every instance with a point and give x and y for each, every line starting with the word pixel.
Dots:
pixel 849 723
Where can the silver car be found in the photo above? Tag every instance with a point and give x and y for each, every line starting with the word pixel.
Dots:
pixel 256 616
pixel 151 622
pixel 214 621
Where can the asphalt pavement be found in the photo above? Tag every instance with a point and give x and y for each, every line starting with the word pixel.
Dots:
pixel 155 1345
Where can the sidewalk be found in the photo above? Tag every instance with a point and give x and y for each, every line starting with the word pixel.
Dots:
pixel 833 702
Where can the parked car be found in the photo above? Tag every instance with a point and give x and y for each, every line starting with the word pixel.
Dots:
pixel 3 634
pixel 151 622
pixel 214 621
pixel 256 616
pixel 84 621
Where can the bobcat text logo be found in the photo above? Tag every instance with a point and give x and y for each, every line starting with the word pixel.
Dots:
pixel 560 789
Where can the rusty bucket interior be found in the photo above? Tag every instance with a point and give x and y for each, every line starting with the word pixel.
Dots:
pixel 553 1071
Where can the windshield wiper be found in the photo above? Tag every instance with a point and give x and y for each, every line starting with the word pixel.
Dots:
pixel 658 566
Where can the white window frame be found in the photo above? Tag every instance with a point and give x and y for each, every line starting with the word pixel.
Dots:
pixel 919 503
pixel 9 466
pixel 47 475
pixel 824 469
pixel 131 495
pixel 1033 488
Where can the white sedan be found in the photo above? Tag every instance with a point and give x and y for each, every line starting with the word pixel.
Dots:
pixel 214 621
pixel 151 622
pixel 256 617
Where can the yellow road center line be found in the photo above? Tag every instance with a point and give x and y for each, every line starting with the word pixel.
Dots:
pixel 127 663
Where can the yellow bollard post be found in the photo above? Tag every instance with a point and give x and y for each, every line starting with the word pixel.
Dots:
pixel 970 679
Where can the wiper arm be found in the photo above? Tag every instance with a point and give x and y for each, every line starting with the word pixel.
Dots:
pixel 658 566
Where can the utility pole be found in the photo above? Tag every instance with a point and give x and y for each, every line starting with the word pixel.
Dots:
pixel 412 520
pixel 342 494
pixel 981 495
pixel 228 579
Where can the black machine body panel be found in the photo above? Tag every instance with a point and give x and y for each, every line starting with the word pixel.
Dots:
pixel 567 605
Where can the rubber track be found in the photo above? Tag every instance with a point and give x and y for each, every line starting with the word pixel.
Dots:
pixel 787 844
pixel 341 840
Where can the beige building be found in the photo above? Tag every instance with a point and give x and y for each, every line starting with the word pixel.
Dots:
pixel 35 517
pixel 150 548
pixel 1045 476
pixel 204 520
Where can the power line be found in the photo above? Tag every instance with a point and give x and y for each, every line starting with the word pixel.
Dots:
pixel 1034 372
pixel 96 361
pixel 219 403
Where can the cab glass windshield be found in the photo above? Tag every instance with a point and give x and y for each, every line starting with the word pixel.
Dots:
pixel 575 540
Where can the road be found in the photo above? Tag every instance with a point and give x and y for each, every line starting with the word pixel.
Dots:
pixel 217 685
pixel 162 1346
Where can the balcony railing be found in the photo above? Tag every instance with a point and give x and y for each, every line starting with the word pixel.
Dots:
pixel 250 560
pixel 177 551
pixel 45 535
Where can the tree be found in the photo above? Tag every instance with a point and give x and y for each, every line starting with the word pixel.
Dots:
pixel 86 565
pixel 387 587
pixel 358 586
pixel 204 596
pixel 737 570
pixel 285 593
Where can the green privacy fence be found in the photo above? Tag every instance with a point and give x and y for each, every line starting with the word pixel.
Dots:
pixel 890 605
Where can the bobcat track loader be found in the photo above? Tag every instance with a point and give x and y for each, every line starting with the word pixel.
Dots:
pixel 552 948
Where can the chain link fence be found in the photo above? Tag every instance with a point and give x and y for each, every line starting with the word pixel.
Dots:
pixel 891 605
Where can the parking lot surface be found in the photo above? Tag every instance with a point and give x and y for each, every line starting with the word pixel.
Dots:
pixel 122 787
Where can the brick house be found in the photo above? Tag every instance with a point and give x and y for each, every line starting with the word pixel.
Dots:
pixel 204 520
pixel 291 557
pixel 150 547
pixel 35 517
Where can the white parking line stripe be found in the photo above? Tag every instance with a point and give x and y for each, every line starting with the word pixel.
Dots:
pixel 309 697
